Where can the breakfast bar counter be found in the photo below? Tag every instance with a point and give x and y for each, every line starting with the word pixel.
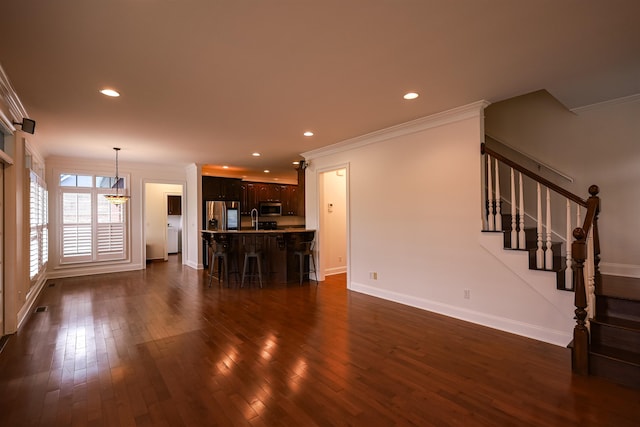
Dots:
pixel 277 248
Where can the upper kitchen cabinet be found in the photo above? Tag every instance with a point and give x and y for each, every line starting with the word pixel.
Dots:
pixel 268 192
pixel 174 205
pixel 289 199
pixel 216 188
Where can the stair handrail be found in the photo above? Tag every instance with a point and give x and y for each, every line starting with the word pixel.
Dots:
pixel 581 251
pixel 569 195
pixel 584 249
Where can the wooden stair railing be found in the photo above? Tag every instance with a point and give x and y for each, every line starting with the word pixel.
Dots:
pixel 583 249
pixel 582 256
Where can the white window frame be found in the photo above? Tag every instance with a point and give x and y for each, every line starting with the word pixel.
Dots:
pixel 98 249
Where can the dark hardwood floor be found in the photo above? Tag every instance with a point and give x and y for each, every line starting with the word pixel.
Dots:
pixel 160 348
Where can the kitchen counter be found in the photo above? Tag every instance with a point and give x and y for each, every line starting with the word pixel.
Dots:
pixel 278 246
pixel 252 231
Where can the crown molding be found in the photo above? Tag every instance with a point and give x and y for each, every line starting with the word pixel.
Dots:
pixel 12 108
pixel 606 104
pixel 445 117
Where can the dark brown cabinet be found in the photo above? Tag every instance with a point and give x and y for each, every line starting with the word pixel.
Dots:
pixel 289 199
pixel 174 205
pixel 216 188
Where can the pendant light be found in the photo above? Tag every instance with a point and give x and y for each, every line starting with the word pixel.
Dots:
pixel 117 199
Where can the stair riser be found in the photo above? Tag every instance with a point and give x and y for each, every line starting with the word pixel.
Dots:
pixel 615 370
pixel 620 308
pixel 612 336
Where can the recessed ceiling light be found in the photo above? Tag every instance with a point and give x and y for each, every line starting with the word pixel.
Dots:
pixel 255 154
pixel 308 133
pixel 410 95
pixel 110 92
pixel 225 167
pixel 296 163
pixel 267 171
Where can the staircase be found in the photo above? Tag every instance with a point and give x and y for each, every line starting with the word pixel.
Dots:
pixel 614 351
pixel 559 266
pixel 606 337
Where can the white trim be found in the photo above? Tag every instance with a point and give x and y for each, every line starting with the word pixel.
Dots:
pixel 87 270
pixel 335 270
pixel 435 120
pixel 560 338
pixel 32 297
pixel 626 270
pixel 606 104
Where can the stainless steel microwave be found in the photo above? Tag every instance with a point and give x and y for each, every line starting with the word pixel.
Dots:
pixel 270 208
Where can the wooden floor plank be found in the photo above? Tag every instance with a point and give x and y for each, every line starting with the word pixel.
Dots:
pixel 160 348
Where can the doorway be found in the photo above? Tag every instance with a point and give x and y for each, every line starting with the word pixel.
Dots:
pixel 163 220
pixel 333 214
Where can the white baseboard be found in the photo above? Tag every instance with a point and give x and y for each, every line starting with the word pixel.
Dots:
pixel 29 304
pixel 627 270
pixel 560 338
pixel 335 270
pixel 90 270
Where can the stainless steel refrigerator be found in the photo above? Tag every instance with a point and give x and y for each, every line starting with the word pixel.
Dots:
pixel 222 215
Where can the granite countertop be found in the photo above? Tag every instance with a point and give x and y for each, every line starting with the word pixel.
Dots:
pixel 252 231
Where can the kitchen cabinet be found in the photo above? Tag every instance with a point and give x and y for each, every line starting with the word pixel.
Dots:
pixel 248 197
pixel 268 192
pixel 216 188
pixel 289 199
pixel 174 205
pixel 252 193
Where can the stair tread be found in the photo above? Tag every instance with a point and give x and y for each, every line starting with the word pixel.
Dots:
pixel 616 353
pixel 617 321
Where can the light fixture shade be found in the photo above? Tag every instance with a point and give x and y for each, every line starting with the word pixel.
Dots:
pixel 117 199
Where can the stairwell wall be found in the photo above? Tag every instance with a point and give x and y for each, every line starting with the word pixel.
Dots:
pixel 596 144
pixel 415 219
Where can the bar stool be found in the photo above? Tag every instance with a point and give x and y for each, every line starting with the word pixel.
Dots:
pixel 220 252
pixel 305 249
pixel 252 247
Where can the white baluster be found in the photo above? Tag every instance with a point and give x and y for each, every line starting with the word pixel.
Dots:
pixel 498 200
pixel 521 235
pixel 514 232
pixel 568 276
pixel 492 223
pixel 548 259
pixel 539 251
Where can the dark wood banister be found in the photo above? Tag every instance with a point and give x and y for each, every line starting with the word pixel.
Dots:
pixel 580 350
pixel 569 195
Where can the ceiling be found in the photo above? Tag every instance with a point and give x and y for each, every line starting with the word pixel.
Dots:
pixel 211 82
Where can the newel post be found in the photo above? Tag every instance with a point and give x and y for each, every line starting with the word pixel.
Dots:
pixel 595 200
pixel 580 354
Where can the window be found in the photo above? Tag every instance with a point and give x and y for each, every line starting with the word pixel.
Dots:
pixel 38 226
pixel 92 228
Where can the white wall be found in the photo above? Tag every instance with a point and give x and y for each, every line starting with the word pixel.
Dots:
pixel 139 174
pixel 156 218
pixel 595 145
pixel 415 220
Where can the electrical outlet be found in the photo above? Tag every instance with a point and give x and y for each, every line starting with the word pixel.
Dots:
pixel 339 259
pixel 373 275
pixel 467 294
